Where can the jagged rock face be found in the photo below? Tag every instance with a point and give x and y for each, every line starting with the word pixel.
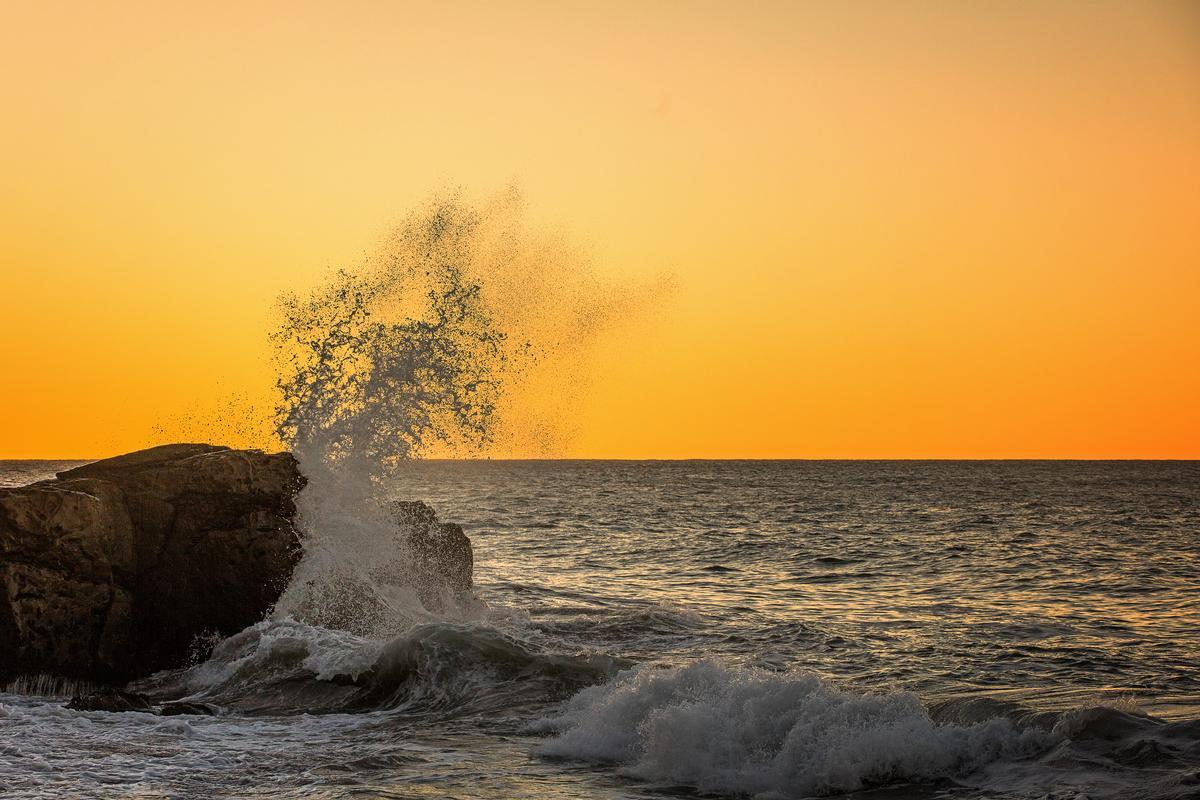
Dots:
pixel 113 569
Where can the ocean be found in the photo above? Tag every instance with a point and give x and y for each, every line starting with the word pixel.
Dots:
pixel 775 629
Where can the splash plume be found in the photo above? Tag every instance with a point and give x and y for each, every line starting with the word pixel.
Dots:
pixel 448 338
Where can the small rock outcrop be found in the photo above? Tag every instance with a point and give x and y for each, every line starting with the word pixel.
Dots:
pixel 112 570
pixel 186 708
pixel 111 700
pixel 442 560
pixel 117 701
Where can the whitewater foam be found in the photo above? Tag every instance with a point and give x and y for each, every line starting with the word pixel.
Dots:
pixel 741 731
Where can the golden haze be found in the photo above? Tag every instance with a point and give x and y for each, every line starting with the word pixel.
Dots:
pixel 918 229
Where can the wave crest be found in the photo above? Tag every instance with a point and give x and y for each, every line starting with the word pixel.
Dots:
pixel 726 730
pixel 285 666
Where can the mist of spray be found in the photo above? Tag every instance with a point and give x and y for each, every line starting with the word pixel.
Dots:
pixel 464 329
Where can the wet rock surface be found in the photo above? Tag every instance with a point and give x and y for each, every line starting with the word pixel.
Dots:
pixel 116 701
pixel 186 708
pixel 442 559
pixel 111 700
pixel 111 570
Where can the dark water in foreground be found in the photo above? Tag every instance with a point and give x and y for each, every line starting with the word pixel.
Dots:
pixel 781 629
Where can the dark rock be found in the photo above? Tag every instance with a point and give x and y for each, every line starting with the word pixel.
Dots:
pixel 152 456
pixel 111 700
pixel 110 571
pixel 184 707
pixel 441 561
pixel 443 551
pixel 412 513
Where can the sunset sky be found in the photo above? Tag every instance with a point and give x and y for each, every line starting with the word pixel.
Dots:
pixel 897 229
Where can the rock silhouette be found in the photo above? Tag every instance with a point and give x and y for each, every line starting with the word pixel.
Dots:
pixel 119 568
pixel 114 568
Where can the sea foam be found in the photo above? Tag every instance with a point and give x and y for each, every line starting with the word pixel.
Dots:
pixel 728 730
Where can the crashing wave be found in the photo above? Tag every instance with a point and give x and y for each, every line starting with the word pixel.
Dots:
pixel 731 731
pixel 286 667
pixel 374 366
pixel 463 327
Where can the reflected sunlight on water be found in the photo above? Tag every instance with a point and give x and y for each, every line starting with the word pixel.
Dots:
pixel 775 615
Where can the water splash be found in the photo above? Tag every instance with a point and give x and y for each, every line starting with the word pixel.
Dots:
pixel 464 329
pixel 377 365
pixel 374 365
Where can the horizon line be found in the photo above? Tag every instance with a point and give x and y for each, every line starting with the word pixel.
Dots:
pixel 633 459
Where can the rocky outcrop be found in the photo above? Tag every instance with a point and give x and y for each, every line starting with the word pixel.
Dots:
pixel 441 559
pixel 116 700
pixel 115 568
pixel 118 568
pixel 111 700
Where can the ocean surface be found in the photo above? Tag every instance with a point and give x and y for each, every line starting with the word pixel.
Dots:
pixel 686 629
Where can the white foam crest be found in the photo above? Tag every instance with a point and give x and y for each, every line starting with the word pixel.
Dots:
pixel 728 730
pixel 281 646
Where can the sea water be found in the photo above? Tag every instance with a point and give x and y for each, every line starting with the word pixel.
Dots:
pixel 734 628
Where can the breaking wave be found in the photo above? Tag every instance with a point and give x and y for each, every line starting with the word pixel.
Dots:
pixel 733 731
pixel 464 329
pixel 728 731
pixel 444 670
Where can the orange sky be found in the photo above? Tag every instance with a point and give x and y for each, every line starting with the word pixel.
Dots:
pixel 919 229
